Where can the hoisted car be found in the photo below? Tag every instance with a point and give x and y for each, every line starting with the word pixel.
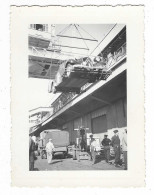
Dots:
pixel 73 74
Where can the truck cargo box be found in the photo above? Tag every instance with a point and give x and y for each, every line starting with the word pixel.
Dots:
pixel 59 138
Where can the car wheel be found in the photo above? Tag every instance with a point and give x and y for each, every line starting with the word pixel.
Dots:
pixel 65 155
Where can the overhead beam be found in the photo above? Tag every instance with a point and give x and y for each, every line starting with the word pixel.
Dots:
pixel 61 119
pixel 71 47
pixel 100 100
pixel 77 38
pixel 75 112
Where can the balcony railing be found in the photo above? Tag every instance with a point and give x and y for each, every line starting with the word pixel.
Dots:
pixel 114 59
pixel 40 52
pixel 45 53
pixel 62 100
pixel 36 120
pixel 39 34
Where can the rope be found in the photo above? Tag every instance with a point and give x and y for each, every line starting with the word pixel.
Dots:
pixel 103 38
pixel 81 36
pixel 64 30
pixel 86 32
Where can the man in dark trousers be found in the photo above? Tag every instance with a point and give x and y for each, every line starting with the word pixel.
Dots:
pixel 32 148
pixel 115 142
pixel 106 144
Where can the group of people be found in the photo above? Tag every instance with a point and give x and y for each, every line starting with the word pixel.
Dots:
pixel 33 147
pixel 116 144
pixel 106 142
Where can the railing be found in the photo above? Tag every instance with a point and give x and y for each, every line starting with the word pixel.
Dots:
pixel 46 116
pixel 34 122
pixel 40 52
pixel 39 34
pixel 51 52
pixel 62 100
pixel 113 59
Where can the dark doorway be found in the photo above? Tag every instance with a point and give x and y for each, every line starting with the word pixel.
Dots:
pixel 99 124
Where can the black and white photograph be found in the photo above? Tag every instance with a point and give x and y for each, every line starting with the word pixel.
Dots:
pixel 78 75
pixel 77 96
pixel 76 88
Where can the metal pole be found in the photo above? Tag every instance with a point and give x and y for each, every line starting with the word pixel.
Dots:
pixel 71 47
pixel 77 38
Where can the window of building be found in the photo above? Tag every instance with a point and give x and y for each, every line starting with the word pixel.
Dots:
pixel 99 124
pixel 40 27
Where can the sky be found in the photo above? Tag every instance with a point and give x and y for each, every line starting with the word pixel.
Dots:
pixel 38 95
pixel 97 31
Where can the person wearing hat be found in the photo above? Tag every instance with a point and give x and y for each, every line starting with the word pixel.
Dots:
pixel 49 150
pixel 92 149
pixel 115 143
pixel 106 143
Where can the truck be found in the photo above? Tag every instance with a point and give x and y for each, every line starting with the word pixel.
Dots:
pixel 60 141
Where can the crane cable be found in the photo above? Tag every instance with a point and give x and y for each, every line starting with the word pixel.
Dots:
pixel 103 39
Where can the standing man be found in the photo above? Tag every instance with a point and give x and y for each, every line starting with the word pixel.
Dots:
pixel 49 150
pixel 93 149
pixel 115 142
pixel 32 149
pixel 124 148
pixel 106 144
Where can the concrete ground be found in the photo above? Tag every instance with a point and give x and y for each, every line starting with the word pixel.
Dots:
pixel 59 163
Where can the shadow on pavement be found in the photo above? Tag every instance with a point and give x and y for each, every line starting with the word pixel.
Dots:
pixel 99 158
pixel 36 169
pixel 54 162
pixel 69 156
pixel 61 156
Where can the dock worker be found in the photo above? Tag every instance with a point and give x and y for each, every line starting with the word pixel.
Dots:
pixel 32 148
pixel 124 148
pixel 93 145
pixel 115 143
pixel 49 150
pixel 106 143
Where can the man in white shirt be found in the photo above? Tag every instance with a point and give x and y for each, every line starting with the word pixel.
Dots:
pixel 49 150
pixel 93 146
